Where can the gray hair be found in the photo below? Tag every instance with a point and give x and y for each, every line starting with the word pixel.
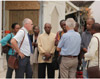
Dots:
pixel 70 22
pixel 26 21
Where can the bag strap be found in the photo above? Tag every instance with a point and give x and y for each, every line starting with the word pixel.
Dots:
pixel 10 38
pixel 98 52
pixel 98 49
pixel 22 39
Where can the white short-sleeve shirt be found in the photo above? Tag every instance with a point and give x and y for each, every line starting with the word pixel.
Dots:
pixel 25 48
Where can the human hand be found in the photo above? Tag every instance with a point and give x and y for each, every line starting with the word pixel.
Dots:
pixel 47 54
pixel 85 50
pixel 35 44
pixel 11 46
pixel 21 55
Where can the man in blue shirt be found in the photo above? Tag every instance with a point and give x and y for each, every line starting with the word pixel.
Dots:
pixel 69 48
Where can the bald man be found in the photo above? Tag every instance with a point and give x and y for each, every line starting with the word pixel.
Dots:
pixel 46 50
pixel 86 38
pixel 23 46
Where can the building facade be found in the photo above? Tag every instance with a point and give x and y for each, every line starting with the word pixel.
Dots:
pixel 39 12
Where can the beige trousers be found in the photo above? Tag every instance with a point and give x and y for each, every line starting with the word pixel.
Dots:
pixel 35 70
pixel 68 67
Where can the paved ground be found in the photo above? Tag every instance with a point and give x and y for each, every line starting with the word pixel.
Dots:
pixel 3 73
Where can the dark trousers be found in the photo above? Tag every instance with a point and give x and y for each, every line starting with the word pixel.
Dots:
pixel 24 67
pixel 42 70
pixel 9 70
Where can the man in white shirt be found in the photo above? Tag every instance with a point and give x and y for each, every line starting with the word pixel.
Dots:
pixel 25 50
pixel 93 51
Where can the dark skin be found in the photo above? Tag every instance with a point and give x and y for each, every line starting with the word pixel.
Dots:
pixel 76 27
pixel 47 29
pixel 14 31
pixel 90 22
pixel 63 26
pixel 93 31
pixel 36 32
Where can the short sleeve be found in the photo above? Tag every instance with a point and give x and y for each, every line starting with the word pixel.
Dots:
pixel 5 40
pixel 19 36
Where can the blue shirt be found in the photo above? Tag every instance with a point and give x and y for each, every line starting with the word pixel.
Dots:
pixel 5 40
pixel 70 43
pixel 86 38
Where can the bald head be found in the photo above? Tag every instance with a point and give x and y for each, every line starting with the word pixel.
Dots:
pixel 47 28
pixel 28 24
pixel 47 24
pixel 26 21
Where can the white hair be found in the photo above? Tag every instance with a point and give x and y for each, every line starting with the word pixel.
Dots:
pixel 70 22
pixel 26 20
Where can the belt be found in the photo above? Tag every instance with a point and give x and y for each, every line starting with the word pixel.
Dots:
pixel 69 56
pixel 27 56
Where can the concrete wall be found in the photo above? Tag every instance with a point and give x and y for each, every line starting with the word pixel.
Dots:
pixel 95 11
pixel 53 12
pixel 1 57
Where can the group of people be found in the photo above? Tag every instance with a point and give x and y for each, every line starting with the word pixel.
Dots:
pixel 37 50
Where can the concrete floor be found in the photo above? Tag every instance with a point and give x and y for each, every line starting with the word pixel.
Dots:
pixel 3 73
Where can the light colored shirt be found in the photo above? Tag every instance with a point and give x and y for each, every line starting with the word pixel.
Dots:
pixel 46 44
pixel 6 40
pixel 25 48
pixel 34 55
pixel 70 43
pixel 92 53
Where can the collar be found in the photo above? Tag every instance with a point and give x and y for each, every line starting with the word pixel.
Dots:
pixel 87 32
pixel 96 34
pixel 47 34
pixel 25 29
pixel 70 31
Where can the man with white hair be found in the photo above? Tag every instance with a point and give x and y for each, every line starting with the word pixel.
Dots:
pixel 69 48
pixel 25 50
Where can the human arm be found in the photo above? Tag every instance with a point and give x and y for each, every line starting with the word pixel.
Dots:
pixel 41 50
pixel 18 38
pixel 57 39
pixel 83 48
pixel 5 40
pixel 60 44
